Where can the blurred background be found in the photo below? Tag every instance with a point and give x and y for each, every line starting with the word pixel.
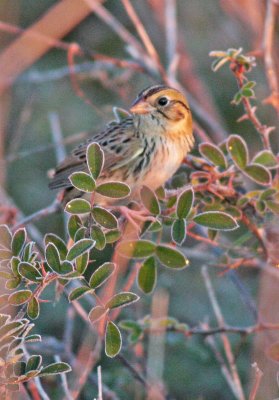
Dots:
pixel 43 94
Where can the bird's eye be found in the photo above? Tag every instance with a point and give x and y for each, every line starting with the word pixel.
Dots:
pixel 163 101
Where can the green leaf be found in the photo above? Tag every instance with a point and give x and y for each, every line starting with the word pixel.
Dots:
pixel 149 200
pixel 79 248
pixel 147 275
pixel 66 267
pixel 238 151
pixel 33 363
pixel 18 241
pixel 78 292
pixel 83 182
pixel 114 190
pixel 216 220
pixel 112 236
pixel 213 154
pixel 80 233
pixel 136 248
pixel 13 283
pixel 19 297
pixel 78 206
pixel 171 258
pixel 98 235
pixel 265 158
pixel 273 206
pixel 120 113
pixel 33 309
pixel 55 368
pixel 82 263
pixel 178 231
pixel 104 218
pixel 101 275
pixel 122 299
pixel 74 223
pixel 185 203
pixel 58 242
pixel 96 313
pixel 95 159
pixel 29 272
pixel 258 173
pixel 113 340
pixel 5 237
pixel 53 258
pixel 134 328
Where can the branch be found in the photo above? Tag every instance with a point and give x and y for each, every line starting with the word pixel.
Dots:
pixel 268 40
pixel 257 381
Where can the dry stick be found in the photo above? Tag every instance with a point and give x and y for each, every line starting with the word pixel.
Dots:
pixel 258 378
pixel 100 385
pixel 171 37
pixel 59 20
pixel 40 149
pixel 143 35
pixel 268 40
pixel 226 343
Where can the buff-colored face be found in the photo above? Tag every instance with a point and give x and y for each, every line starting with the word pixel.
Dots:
pixel 168 102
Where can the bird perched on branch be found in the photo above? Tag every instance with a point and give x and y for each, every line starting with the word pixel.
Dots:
pixel 146 148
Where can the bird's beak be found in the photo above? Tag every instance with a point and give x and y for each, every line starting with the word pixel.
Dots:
pixel 141 107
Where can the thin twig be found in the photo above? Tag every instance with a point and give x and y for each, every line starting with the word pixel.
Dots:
pixel 257 381
pixel 64 381
pixel 268 42
pixel 100 383
pixel 52 209
pixel 136 374
pixel 225 340
pixel 171 37
pixel 143 34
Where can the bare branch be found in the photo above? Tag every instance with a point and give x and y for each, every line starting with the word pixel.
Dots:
pixel 257 381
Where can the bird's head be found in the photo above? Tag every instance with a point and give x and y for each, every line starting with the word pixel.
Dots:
pixel 164 106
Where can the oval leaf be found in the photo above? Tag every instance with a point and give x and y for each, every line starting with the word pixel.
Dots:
pixel 79 248
pixel 74 223
pixel 96 313
pixel 147 275
pixel 78 206
pixel 238 150
pixel 121 300
pixel 82 263
pixel 136 248
pixel 185 203
pixel 149 200
pixel 258 173
pixel 33 363
pixel 171 258
pixel 5 237
pixel 53 258
pixel 113 340
pixel 112 236
pixel 83 182
pixel 104 218
pixel 58 242
pixel 33 309
pixel 114 190
pixel 18 241
pixel 213 154
pixel 178 231
pixel 265 158
pixel 28 271
pixel 216 220
pixel 98 235
pixel 101 275
pixel 95 159
pixel 78 292
pixel 55 368
pixel 20 297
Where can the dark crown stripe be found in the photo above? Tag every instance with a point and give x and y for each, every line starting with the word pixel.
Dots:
pixel 151 90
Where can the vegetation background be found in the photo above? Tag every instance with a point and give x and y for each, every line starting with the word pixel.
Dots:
pixel 43 95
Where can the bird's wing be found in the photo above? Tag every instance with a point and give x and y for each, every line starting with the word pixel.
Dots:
pixel 120 145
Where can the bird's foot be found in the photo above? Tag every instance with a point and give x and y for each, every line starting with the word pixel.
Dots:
pixel 135 217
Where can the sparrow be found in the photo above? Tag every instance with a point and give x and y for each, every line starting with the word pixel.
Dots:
pixel 146 148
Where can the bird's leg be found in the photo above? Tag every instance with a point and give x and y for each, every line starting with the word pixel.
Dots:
pixel 135 215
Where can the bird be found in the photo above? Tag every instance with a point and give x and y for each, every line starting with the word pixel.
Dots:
pixel 144 149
